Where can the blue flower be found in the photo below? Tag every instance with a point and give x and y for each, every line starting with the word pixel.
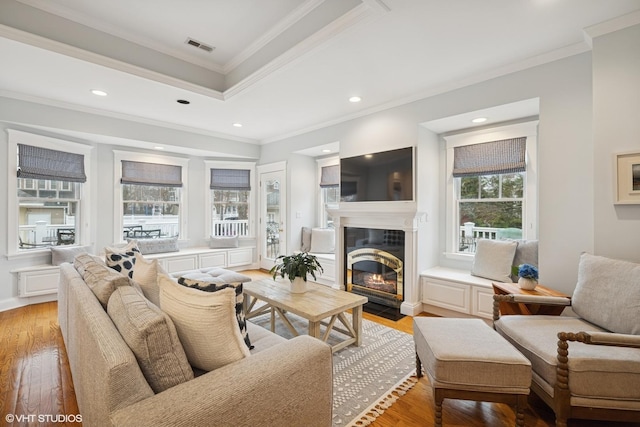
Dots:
pixel 528 271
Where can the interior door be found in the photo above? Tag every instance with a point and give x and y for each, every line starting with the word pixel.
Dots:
pixel 272 217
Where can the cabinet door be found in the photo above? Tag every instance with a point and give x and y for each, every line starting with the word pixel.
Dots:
pixel 482 302
pixel 41 282
pixel 174 264
pixel 218 259
pixel 237 257
pixel 452 296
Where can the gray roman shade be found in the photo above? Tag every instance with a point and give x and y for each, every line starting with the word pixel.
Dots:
pixel 490 158
pixel 43 163
pixel 330 176
pixel 156 174
pixel 230 179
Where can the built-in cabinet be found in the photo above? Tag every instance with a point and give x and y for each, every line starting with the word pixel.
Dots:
pixel 43 279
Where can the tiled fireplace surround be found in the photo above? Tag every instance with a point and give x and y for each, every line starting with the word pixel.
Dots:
pixel 386 216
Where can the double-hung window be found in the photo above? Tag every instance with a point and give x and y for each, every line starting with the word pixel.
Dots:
pixel 48 209
pixel 329 171
pixel 492 189
pixel 230 198
pixel 151 198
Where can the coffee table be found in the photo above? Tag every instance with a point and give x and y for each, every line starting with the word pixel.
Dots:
pixel 320 305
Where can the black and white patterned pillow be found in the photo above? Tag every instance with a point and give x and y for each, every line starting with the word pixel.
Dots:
pixel 123 260
pixel 213 287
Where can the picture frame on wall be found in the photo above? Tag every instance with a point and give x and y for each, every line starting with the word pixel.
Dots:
pixel 627 178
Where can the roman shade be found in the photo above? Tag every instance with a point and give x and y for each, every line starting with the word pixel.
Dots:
pixel 44 163
pixel 490 158
pixel 230 179
pixel 330 176
pixel 155 174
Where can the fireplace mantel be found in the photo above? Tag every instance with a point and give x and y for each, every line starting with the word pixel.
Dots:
pixel 397 215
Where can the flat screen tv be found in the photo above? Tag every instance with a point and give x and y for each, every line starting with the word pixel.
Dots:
pixel 377 177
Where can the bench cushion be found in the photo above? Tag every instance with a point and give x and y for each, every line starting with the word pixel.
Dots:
pixel 466 354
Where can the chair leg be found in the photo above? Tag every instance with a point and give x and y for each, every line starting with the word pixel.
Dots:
pixel 437 415
pixel 521 404
pixel 418 366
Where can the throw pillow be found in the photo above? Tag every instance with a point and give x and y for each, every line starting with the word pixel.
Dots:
pixel 102 280
pixel 305 244
pixel 146 276
pixel 526 253
pixel 493 259
pixel 122 259
pixel 223 242
pixel 205 286
pixel 206 324
pixel 323 240
pixel 62 254
pixel 152 337
pixel 156 246
pixel 607 293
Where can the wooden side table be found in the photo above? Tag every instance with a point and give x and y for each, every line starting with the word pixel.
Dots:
pixel 527 308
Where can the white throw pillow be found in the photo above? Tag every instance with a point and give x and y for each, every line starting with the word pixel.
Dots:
pixel 493 259
pixel 223 242
pixel 206 323
pixel 323 240
pixel 145 274
pixel 62 254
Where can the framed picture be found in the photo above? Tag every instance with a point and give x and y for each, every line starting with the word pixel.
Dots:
pixel 627 178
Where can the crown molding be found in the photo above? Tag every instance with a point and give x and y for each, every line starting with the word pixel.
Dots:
pixel 610 26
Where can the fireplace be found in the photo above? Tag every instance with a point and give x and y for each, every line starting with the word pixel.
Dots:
pixel 374 264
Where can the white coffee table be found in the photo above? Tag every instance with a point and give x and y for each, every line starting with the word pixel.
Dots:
pixel 317 305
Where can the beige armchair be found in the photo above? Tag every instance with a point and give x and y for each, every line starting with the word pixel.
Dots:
pixel 585 367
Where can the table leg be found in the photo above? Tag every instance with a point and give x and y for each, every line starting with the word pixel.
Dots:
pixel 357 324
pixel 314 329
pixel 273 319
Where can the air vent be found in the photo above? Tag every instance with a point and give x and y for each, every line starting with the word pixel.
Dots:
pixel 199 45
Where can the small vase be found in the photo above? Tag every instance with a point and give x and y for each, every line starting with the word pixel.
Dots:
pixel 299 286
pixel 527 284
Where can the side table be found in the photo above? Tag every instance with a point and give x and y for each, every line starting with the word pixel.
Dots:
pixel 527 308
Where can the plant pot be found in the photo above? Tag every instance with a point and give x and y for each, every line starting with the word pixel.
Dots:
pixel 299 286
pixel 527 284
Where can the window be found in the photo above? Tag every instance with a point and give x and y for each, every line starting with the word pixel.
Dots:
pixel 49 183
pixel 230 198
pixel 492 188
pixel 329 170
pixel 151 196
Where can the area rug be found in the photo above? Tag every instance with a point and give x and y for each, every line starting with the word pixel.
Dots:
pixel 367 379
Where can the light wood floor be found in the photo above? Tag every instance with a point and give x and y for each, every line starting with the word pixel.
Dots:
pixel 35 379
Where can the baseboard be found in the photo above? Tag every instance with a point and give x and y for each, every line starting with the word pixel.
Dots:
pixel 409 309
pixel 15 302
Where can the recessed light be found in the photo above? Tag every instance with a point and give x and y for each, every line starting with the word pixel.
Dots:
pixel 238 125
pixel 368 156
pixel 355 99
pixel 98 92
pixel 479 120
pixel 326 150
pixel 183 101
pixel 158 148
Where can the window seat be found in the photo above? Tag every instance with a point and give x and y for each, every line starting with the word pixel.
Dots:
pixel 328 263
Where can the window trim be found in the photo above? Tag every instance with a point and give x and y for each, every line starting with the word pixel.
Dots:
pixel 15 137
pixel 253 205
pixel 322 212
pixel 528 129
pixel 120 155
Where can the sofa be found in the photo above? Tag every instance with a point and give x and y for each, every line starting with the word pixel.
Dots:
pixel 279 382
pixel 585 366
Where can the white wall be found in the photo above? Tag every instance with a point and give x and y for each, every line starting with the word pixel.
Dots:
pixel 616 128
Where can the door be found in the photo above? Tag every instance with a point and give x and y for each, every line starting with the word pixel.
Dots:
pixel 272 216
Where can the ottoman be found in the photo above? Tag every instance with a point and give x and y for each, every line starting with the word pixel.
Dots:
pixel 466 359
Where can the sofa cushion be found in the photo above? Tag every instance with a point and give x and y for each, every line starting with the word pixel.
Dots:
pixel 493 259
pixel 102 280
pixel 145 274
pixel 206 323
pixel 203 284
pixel 608 293
pixel 152 337
pixel 219 242
pixel 60 254
pixel 157 246
pixel 323 240
pixel 526 253
pixel 122 259
pixel 595 371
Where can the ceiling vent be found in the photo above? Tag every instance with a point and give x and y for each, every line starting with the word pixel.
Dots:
pixel 199 45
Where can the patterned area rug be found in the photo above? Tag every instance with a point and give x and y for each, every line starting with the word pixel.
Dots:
pixel 366 379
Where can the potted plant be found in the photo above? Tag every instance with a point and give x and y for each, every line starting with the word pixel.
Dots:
pixel 528 276
pixel 295 268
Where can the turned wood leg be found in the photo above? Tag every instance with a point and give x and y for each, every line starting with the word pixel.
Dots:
pixel 437 415
pixel 521 404
pixel 418 366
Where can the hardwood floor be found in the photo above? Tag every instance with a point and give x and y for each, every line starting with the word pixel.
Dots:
pixel 35 380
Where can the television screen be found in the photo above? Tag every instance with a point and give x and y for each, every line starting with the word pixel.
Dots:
pixel 377 177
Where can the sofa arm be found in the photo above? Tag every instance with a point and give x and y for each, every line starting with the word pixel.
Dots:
pixel 289 384
pixel 526 299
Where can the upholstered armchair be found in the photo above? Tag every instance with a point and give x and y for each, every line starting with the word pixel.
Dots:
pixel 585 367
